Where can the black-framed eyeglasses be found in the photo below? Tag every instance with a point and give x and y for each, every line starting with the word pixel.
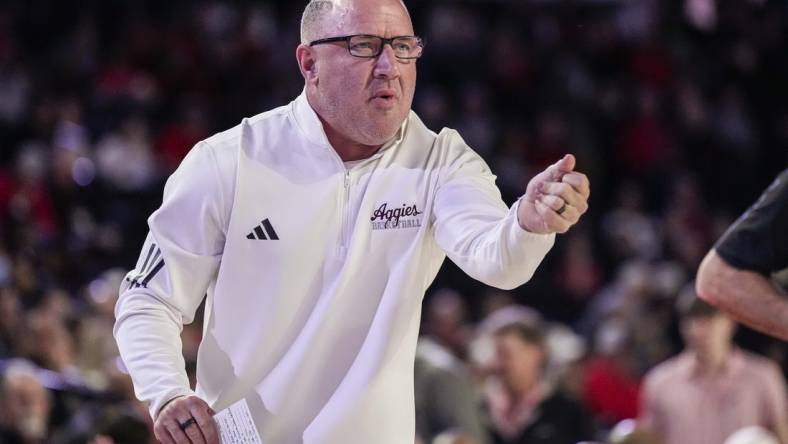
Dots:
pixel 370 46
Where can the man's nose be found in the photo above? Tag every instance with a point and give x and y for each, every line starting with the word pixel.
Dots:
pixel 386 65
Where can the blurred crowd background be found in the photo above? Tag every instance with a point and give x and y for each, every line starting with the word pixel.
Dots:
pixel 676 109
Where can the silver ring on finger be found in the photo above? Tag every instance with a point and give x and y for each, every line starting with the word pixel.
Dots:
pixel 561 210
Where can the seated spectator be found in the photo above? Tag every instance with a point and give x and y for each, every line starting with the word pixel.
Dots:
pixel 446 405
pixel 445 322
pixel 25 405
pixel 50 344
pixel 523 407
pixel 610 380
pixel 712 388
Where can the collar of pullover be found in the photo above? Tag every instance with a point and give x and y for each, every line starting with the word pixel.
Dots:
pixel 309 123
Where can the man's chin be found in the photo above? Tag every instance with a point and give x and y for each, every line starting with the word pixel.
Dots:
pixel 379 136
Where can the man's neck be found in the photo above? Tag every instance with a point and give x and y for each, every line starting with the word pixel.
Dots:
pixel 347 149
pixel 713 361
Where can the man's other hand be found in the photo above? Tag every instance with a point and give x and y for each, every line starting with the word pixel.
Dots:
pixel 186 420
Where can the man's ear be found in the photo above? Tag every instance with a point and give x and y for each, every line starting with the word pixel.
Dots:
pixel 307 63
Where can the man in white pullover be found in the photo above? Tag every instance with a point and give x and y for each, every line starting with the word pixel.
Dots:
pixel 314 229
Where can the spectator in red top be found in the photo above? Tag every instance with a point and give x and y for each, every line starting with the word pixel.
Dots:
pixel 610 381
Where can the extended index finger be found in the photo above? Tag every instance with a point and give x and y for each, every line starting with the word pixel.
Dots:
pixel 579 182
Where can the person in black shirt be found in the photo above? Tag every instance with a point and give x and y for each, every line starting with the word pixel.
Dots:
pixel 746 273
pixel 524 407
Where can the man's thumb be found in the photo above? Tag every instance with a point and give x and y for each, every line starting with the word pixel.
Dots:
pixel 566 164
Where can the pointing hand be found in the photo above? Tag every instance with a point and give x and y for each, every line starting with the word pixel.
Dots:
pixel 554 199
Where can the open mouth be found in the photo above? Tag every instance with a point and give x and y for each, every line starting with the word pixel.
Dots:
pixel 384 101
pixel 385 96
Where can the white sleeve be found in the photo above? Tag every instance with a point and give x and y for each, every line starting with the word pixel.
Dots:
pixel 179 260
pixel 473 226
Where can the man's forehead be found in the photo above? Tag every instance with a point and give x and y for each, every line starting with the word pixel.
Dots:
pixel 349 14
pixel 347 4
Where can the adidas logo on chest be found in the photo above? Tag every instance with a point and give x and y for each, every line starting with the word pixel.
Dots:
pixel 263 231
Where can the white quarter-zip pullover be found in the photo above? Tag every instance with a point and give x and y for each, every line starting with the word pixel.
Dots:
pixel 314 272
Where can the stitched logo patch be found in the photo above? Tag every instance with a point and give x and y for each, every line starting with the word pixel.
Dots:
pixel 405 216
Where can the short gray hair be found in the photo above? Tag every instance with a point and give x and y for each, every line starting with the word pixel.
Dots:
pixel 314 13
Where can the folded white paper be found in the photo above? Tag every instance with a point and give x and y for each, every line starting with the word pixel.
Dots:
pixel 236 425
